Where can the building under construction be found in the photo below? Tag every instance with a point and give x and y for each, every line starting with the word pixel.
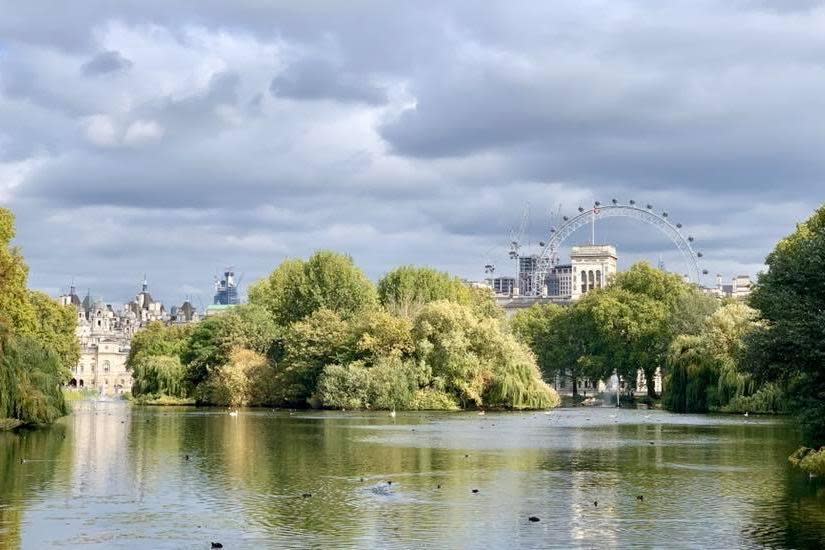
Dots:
pixel 226 290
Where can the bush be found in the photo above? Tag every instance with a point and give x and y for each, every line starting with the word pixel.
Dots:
pixel 809 460
pixel 769 399
pixel 344 387
pixel 244 380
pixel 429 399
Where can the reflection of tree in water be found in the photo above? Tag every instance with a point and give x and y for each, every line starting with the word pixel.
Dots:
pixel 258 465
pixel 794 518
pixel 40 448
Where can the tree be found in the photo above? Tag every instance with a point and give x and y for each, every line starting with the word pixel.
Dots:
pixel 245 379
pixel 790 348
pixel 16 310
pixel 319 340
pixel 667 307
pixel 55 329
pixel 156 375
pixel 327 280
pixel 705 369
pixel 405 289
pixel 476 361
pixel 30 378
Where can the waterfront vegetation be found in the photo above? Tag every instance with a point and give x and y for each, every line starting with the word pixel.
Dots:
pixel 319 333
pixel 37 342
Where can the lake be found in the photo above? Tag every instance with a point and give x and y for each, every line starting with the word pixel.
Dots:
pixel 115 476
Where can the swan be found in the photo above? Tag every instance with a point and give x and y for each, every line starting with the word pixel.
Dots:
pixel 233 413
pixel 392 413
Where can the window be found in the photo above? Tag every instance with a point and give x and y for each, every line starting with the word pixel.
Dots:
pixel 106 366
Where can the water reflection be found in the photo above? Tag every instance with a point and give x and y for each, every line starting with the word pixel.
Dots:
pixel 167 478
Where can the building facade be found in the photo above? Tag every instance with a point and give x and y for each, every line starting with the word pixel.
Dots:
pixel 105 336
pixel 592 267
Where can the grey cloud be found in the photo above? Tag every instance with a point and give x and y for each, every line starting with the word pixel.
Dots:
pixel 104 63
pixel 405 132
pixel 314 79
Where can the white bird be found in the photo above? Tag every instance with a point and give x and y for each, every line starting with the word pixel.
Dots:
pixel 392 414
pixel 746 414
pixel 481 413
pixel 233 413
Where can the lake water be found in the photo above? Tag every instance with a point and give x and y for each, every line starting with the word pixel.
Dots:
pixel 115 476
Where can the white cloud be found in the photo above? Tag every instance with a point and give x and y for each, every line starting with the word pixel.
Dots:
pixel 101 131
pixel 143 131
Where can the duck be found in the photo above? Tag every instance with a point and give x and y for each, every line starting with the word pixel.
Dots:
pixel 534 518
pixel 233 413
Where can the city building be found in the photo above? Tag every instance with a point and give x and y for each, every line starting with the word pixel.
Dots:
pixel 226 290
pixel 104 337
pixel 502 286
pixel 146 308
pixel 560 281
pixel 592 268
pixel 527 266
pixel 183 314
pixel 740 287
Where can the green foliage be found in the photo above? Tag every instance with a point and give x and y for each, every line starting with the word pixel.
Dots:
pixel 30 378
pixel 16 310
pixel 790 347
pixel 37 341
pixel 55 328
pixel 705 369
pixel 431 399
pixel 211 341
pixel 405 289
pixel 327 280
pixel 389 384
pixel 473 359
pixel 158 375
pixel 245 379
pixel 309 345
pixel 809 460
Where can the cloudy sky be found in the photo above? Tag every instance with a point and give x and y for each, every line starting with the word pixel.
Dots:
pixel 174 138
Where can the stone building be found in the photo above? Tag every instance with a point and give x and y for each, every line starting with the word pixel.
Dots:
pixel 592 268
pixel 104 338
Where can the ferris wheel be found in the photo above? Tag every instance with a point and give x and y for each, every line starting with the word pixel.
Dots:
pixel 548 255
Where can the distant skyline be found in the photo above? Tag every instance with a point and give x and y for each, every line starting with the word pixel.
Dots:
pixel 174 139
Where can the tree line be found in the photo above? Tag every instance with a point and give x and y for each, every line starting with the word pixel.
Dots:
pixel 38 345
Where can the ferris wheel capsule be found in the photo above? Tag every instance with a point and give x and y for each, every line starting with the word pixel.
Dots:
pixel 699 254
pixel 614 201
pixel 632 202
pixel 664 214
pixel 679 225
pixel 565 218
pixel 581 209
pixel 704 272
pixel 650 207
pixel 597 203
pixel 690 238
pixel 542 244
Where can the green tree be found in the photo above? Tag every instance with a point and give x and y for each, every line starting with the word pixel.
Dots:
pixel 327 280
pixel 30 378
pixel 321 339
pixel 790 348
pixel 16 310
pixel 157 375
pixel 405 289
pixel 476 361
pixel 55 329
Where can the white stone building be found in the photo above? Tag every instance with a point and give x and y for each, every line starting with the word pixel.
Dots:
pixel 592 267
